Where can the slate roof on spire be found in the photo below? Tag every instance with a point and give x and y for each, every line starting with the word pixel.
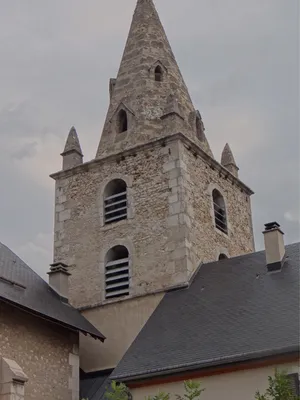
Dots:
pixel 72 143
pixel 227 156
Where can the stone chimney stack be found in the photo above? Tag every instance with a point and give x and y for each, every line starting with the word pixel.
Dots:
pixel 274 245
pixel 59 280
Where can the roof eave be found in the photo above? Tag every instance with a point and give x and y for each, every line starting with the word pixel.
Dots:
pixel 97 336
pixel 224 361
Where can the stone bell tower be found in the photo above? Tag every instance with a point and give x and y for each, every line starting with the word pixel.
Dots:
pixel 140 218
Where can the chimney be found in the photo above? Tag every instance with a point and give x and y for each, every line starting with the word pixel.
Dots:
pixel 274 244
pixel 59 280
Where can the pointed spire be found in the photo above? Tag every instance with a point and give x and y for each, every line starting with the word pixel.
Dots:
pixel 228 161
pixel 145 25
pixel 147 47
pixel 72 143
pixel 72 154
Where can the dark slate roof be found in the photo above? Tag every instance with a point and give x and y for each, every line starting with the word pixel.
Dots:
pixel 22 287
pixel 93 385
pixel 233 311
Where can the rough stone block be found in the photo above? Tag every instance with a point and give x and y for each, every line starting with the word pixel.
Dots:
pixel 64 215
pixel 180 164
pixel 74 359
pixel 62 199
pixel 59 207
pixel 173 183
pixel 175 208
pixel 169 166
pixel 173 221
pixel 179 253
pixel 174 173
pixel 173 198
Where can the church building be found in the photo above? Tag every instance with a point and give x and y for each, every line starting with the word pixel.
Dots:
pixel 140 219
pixel 155 237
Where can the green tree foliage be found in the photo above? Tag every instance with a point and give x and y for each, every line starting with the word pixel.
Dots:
pixel 117 391
pixel 192 390
pixel 279 389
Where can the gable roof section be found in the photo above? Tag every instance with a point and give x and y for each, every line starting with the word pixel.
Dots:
pixel 233 311
pixel 22 287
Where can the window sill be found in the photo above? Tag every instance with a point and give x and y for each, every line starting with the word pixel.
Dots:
pixel 116 299
pixel 225 235
pixel 120 136
pixel 117 224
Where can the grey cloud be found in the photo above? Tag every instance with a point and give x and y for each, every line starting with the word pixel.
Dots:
pixel 239 60
pixel 27 150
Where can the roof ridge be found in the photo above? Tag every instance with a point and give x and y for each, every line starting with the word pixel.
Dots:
pixel 250 254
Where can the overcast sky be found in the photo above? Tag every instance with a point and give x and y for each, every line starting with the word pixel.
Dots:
pixel 239 59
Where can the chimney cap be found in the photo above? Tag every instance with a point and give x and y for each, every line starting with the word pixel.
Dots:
pixel 58 267
pixel 272 226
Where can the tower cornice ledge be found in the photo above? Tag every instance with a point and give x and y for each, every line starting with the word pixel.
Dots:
pixel 161 142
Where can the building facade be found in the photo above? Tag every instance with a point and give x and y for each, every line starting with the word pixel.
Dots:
pixel 39 333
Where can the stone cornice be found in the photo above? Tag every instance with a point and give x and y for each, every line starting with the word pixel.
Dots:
pixel 161 142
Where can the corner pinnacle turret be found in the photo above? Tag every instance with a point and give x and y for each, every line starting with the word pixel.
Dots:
pixel 228 161
pixel 72 154
pixel 148 78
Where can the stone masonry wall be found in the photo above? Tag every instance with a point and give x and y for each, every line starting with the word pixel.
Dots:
pixel 170 228
pixel 204 240
pixel 154 232
pixel 47 354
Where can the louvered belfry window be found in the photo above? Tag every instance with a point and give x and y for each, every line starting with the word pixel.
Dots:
pixel 117 272
pixel 115 201
pixel 220 212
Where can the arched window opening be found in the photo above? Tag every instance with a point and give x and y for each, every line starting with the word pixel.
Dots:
pixel 220 212
pixel 115 201
pixel 222 256
pixel 158 74
pixel 122 121
pixel 117 272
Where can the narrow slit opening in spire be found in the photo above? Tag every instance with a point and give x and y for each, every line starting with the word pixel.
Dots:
pixel 158 74
pixel 122 121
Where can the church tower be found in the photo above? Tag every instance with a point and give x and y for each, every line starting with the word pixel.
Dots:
pixel 154 204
